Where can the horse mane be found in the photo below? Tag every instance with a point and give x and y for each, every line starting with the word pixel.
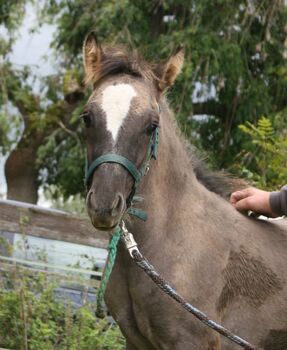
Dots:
pixel 120 60
pixel 219 182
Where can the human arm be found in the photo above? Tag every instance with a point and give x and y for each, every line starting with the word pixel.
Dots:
pixel 271 204
pixel 278 201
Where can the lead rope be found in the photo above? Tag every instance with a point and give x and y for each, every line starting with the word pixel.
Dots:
pixel 143 263
pixel 112 248
pixel 108 270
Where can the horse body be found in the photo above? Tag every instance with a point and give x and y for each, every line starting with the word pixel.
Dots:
pixel 229 266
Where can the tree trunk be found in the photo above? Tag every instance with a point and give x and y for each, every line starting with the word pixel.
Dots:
pixel 21 173
pixel 21 168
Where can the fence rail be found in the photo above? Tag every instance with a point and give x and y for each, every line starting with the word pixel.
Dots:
pixel 51 266
pixel 33 220
pixel 66 280
pixel 18 217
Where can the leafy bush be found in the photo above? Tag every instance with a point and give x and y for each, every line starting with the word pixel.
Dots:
pixel 264 156
pixel 31 318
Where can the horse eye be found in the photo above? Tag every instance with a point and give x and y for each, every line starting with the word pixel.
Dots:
pixel 87 119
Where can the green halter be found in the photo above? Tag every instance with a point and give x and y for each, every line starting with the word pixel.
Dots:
pixel 136 173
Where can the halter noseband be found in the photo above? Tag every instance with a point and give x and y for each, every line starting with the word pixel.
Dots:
pixel 136 173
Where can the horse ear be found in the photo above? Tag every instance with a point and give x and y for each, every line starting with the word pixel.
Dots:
pixel 92 52
pixel 167 72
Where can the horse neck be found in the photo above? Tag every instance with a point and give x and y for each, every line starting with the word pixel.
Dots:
pixel 173 168
pixel 181 211
pixel 171 179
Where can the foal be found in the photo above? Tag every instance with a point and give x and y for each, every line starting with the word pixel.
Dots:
pixel 229 266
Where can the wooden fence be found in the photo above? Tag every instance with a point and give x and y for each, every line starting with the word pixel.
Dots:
pixel 18 217
pixel 28 219
pixel 32 220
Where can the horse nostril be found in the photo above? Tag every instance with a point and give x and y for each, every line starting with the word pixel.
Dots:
pixel 103 211
pixel 118 205
pixel 89 199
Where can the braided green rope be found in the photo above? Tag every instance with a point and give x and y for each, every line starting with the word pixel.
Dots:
pixel 108 269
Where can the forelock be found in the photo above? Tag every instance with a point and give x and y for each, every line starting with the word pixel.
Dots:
pixel 119 60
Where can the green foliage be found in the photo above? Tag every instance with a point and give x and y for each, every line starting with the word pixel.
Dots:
pixel 72 204
pixel 57 157
pixel 11 13
pixel 11 16
pixel 10 122
pixel 264 155
pixel 31 318
pixel 5 143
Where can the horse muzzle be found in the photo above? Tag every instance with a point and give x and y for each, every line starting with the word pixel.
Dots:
pixel 105 216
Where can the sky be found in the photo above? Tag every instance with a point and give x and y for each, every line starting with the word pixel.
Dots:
pixel 30 48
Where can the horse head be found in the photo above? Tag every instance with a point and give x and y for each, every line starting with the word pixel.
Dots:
pixel 120 117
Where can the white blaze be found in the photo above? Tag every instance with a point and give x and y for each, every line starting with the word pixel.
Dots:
pixel 116 102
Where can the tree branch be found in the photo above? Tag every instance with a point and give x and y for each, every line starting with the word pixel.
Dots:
pixel 210 107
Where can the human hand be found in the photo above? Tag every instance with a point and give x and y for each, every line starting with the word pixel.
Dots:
pixel 252 199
